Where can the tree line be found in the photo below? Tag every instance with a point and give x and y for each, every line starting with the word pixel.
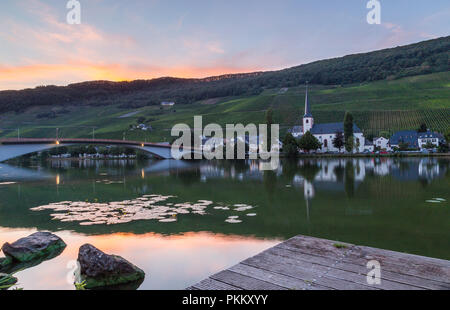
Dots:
pixel 420 58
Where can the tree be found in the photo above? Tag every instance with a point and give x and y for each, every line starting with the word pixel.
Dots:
pixel 91 150
pixel 350 144
pixel 308 142
pixel 447 136
pixel 338 141
pixel 348 131
pixel 443 148
pixel 429 145
pixel 422 128
pixel 403 146
pixel 357 145
pixel 290 146
pixel 269 122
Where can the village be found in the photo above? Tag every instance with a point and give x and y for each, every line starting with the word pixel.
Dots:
pixel 332 138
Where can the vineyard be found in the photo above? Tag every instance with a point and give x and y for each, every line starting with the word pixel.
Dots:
pixel 375 122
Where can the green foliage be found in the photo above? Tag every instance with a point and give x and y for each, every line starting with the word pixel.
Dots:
pixel 350 144
pixel 382 107
pixel 290 146
pixel 422 128
pixel 443 148
pixel 429 145
pixel 447 136
pixel 415 59
pixel 348 132
pixel 338 141
pixel 309 143
pixel 403 146
pixel 269 122
pixel 80 286
pixel 91 150
pixel 7 282
pixel 340 246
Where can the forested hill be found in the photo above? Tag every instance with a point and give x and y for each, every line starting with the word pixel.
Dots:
pixel 420 58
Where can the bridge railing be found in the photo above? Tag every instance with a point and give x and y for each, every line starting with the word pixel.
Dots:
pixel 79 141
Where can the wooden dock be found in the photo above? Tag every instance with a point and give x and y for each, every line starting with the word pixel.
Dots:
pixel 307 263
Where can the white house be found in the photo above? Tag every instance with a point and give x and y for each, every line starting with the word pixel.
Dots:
pixel 369 146
pixel 382 143
pixel 415 140
pixel 429 137
pixel 326 133
pixel 166 103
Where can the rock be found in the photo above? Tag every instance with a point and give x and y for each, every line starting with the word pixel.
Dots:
pixel 5 261
pixel 6 281
pixel 35 246
pixel 98 269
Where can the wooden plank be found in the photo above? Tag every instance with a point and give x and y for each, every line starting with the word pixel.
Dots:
pixel 308 263
pixel 403 264
pixel 407 264
pixel 359 266
pixel 244 282
pixel 275 278
pixel 213 285
pixel 291 267
pixel 356 274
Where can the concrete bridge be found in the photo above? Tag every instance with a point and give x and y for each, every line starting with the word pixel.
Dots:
pixel 11 148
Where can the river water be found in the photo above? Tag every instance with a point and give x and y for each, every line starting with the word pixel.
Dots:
pixel 183 221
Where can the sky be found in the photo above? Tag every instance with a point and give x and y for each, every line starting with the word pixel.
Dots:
pixel 141 39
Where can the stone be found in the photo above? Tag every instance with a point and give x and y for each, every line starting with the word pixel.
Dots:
pixel 35 246
pixel 98 269
pixel 5 261
pixel 7 281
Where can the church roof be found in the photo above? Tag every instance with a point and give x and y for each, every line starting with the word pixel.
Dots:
pixel 406 136
pixel 331 128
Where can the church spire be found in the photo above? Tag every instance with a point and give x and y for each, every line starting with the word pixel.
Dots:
pixel 307 108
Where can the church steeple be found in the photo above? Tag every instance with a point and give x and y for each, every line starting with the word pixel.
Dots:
pixel 307 108
pixel 308 120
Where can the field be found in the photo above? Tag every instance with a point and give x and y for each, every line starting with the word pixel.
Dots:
pixel 378 107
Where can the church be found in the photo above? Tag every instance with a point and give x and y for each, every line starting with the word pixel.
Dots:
pixel 326 133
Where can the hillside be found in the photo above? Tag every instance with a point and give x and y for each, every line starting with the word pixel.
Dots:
pixel 378 106
pixel 390 64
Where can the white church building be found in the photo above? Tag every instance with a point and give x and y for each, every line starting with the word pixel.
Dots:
pixel 326 133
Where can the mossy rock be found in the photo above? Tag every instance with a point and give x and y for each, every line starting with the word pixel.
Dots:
pixel 5 261
pixel 101 271
pixel 35 246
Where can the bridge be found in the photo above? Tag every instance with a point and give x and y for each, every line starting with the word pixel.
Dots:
pixel 11 148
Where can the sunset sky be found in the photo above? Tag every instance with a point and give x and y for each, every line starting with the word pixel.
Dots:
pixel 125 40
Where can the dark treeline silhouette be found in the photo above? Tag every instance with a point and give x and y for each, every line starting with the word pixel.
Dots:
pixel 420 58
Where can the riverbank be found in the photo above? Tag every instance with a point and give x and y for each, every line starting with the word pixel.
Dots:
pixel 394 155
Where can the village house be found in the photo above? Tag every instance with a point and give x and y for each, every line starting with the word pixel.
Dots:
pixel 416 140
pixel 430 137
pixel 382 143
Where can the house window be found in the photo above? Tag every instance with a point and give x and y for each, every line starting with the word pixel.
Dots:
pixel 325 143
pixel 307 121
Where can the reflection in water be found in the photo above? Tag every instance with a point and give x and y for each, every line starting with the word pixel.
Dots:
pixel 169 262
pixel 398 204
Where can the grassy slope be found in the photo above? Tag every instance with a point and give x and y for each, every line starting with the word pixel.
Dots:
pixel 377 106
